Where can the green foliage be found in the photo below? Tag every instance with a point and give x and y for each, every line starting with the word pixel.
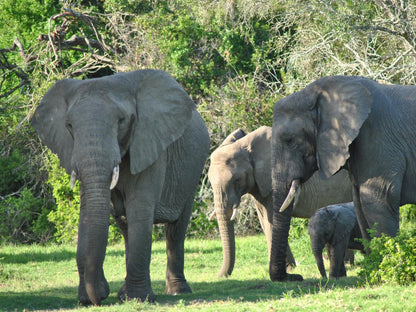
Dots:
pixel 25 18
pixel 391 259
pixel 298 228
pixel 199 225
pixel 66 215
pixel 12 173
pixel 23 219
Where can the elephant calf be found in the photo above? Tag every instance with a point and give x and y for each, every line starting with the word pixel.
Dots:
pixel 336 227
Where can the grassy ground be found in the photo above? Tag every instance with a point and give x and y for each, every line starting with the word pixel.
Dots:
pixel 45 278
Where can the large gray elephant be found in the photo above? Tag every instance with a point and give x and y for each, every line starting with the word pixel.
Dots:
pixel 344 122
pixel 138 134
pixel 240 165
pixel 336 228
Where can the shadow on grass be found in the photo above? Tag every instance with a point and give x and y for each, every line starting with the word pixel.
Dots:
pixel 221 290
pixel 37 256
pixel 67 255
pixel 49 299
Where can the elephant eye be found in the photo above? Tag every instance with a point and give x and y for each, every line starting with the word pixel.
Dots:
pixel 121 121
pixel 291 143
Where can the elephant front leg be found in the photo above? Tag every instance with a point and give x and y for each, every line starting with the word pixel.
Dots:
pixel 142 193
pixel 137 284
pixel 175 250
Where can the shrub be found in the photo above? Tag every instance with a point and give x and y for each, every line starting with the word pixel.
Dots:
pixel 23 219
pixel 392 259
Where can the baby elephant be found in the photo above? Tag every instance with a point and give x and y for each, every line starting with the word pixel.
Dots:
pixel 336 227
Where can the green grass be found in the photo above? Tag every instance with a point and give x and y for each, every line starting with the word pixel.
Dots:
pixel 46 278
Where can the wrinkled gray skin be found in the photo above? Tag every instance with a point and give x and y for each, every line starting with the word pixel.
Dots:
pixel 240 165
pixel 144 122
pixel 345 122
pixel 335 227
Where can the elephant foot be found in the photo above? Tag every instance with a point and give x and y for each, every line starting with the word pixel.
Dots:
pixel 103 291
pixel 141 295
pixel 177 287
pixel 287 278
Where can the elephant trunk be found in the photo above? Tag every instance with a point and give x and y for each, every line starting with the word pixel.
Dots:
pixel 281 218
pixel 280 235
pixel 226 227
pixel 93 233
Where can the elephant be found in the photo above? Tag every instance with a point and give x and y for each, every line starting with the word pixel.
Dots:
pixel 336 227
pixel 137 144
pixel 242 164
pixel 344 122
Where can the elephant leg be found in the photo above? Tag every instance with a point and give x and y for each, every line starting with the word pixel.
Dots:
pixel 175 250
pixel 337 266
pixel 119 214
pixel 377 199
pixel 142 193
pixel 266 223
pixel 384 211
pixel 349 256
pixel 138 254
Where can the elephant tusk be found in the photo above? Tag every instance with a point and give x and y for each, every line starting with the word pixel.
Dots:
pixel 212 216
pixel 234 215
pixel 114 179
pixel 73 179
pixel 290 196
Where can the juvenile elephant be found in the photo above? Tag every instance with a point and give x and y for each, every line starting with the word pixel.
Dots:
pixel 335 227
pixel 240 165
pixel 344 122
pixel 134 139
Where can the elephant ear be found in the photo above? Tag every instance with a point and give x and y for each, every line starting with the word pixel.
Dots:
pixel 260 152
pixel 342 107
pixel 233 136
pixel 50 117
pixel 164 111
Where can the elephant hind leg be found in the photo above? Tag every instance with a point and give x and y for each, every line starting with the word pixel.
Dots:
pixel 175 249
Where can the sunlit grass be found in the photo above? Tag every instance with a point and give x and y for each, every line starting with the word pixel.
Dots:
pixel 46 278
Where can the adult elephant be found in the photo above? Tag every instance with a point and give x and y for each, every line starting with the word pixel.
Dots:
pixel 240 165
pixel 138 134
pixel 344 122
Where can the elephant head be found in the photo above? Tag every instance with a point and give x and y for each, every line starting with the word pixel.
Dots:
pixel 92 125
pixel 240 165
pixel 312 130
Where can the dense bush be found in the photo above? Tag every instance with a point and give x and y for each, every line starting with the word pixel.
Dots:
pixel 23 219
pixel 393 259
